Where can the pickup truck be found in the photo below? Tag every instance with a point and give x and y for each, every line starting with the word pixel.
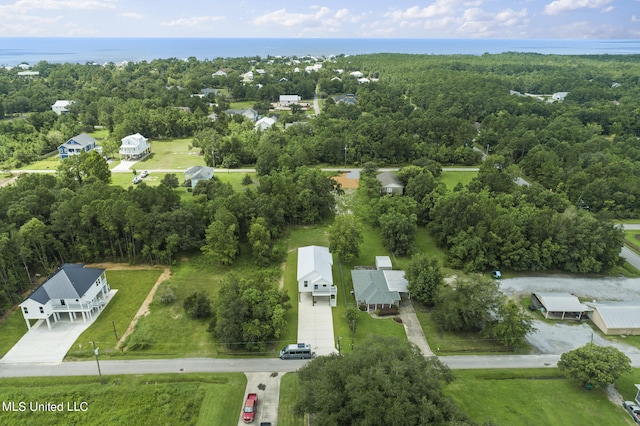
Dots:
pixel 249 410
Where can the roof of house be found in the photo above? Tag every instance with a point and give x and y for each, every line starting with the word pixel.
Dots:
pixel 62 103
pixel 389 179
pixel 370 287
pixel 315 260
pixel 82 139
pixel 395 280
pixel 198 173
pixel 134 140
pixel 70 281
pixel 264 123
pixel 560 302
pixel 618 314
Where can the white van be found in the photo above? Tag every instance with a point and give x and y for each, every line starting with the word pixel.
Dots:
pixel 297 351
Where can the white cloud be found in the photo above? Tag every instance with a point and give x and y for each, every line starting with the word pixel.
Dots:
pixel 608 9
pixel 560 6
pixel 478 23
pixel 438 8
pixel 133 15
pixel 23 5
pixel 634 18
pixel 192 22
pixel 318 17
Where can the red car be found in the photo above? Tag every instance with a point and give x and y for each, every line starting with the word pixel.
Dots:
pixel 249 410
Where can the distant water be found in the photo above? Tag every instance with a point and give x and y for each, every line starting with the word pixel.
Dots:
pixel 32 50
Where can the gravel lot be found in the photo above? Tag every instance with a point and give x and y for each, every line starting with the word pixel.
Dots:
pixel 561 336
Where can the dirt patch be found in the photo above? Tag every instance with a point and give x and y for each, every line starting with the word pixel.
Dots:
pixel 281 281
pixel 144 308
pixel 346 182
pixel 124 266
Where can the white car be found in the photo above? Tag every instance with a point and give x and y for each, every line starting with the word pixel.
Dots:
pixel 144 174
pixel 136 179
pixel 633 409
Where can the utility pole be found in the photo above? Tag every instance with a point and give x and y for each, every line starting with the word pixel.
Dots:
pixel 213 154
pixel 95 351
pixel 345 156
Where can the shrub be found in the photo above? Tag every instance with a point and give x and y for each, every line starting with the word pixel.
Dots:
pixel 246 180
pixel 384 312
pixel 198 305
pixel 398 320
pixel 363 307
pixel 166 294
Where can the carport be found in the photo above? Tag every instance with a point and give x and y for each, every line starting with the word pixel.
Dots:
pixel 559 305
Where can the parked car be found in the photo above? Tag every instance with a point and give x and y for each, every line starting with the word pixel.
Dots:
pixel 249 409
pixel 136 179
pixel 633 409
pixel 144 174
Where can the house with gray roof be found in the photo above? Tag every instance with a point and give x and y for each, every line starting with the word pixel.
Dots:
pixel 72 290
pixel 616 318
pixel 198 173
pixel 77 145
pixel 390 183
pixel 381 287
pixel 249 113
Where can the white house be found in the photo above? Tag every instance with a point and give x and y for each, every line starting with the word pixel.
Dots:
pixel 219 73
pixel 356 74
pixel 61 107
pixel 315 274
pixel 559 96
pixel 134 147
pixel 286 100
pixel 264 123
pixel 72 290
pixel 77 145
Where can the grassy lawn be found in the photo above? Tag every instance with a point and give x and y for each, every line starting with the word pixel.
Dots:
pixel 632 240
pixel 169 399
pixel 242 105
pixel 171 154
pixel 288 397
pixel 531 397
pixel 449 343
pixel 133 287
pixel 12 328
pixel 451 178
pixel 50 163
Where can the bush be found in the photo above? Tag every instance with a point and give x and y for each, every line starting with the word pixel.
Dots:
pixel 385 312
pixel 246 180
pixel 198 305
pixel 363 307
pixel 166 295
pixel 398 320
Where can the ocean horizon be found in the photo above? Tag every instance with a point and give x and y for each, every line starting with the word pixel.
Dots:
pixel 31 50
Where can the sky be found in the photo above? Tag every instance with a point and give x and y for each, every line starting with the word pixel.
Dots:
pixel 501 19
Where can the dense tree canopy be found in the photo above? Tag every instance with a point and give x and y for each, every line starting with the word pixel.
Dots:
pixel 382 382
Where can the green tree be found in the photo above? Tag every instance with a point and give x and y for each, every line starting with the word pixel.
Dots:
pixel 384 381
pixel 398 232
pixel 198 305
pixel 221 238
pixel 261 243
pixel 511 325
pixel 170 180
pixel 598 365
pixel 425 277
pixel 467 304
pixel 250 311
pixel 345 237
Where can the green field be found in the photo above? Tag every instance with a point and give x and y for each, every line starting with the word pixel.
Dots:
pixel 171 154
pixel 133 287
pixel 531 397
pixel 288 397
pixel 452 178
pixel 169 399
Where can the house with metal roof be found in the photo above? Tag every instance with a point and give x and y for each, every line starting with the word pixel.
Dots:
pixel 315 274
pixel 559 305
pixel 77 145
pixel 616 318
pixel 73 290
pixel 61 106
pixel 134 147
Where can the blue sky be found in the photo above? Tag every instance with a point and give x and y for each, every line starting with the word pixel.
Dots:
pixel 526 19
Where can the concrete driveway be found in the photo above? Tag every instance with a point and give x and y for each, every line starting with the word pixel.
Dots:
pixel 267 386
pixel 41 345
pixel 315 324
